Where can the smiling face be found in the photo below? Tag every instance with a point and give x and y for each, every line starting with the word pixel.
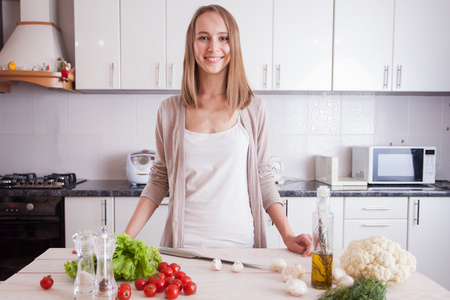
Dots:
pixel 211 44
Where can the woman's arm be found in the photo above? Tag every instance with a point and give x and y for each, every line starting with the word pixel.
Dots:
pixel 144 210
pixel 301 243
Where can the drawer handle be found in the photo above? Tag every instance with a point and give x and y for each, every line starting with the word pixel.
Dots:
pixel 377 208
pixel 377 225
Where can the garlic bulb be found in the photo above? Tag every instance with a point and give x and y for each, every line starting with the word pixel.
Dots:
pixel 237 267
pixel 277 264
pixel 216 264
pixel 346 280
pixel 338 273
pixel 296 287
pixel 296 272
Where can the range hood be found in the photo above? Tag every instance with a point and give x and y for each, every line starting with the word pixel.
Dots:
pixel 34 47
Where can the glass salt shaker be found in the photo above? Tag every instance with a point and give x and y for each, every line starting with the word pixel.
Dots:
pixel 83 286
pixel 105 284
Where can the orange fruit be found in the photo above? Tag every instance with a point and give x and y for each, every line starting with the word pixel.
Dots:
pixel 11 66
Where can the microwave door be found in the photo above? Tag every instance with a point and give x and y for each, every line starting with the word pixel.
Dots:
pixel 397 165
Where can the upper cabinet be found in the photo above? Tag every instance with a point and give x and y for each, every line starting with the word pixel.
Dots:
pixel 97 44
pixel 302 45
pixel 254 18
pixel 391 45
pixel 142 42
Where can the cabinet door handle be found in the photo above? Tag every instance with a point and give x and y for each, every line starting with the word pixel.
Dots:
pixel 278 76
pixel 265 76
pixel 377 225
pixel 157 75
pixel 417 205
pixel 170 75
pixel 105 201
pixel 386 77
pixel 377 208
pixel 113 70
pixel 399 77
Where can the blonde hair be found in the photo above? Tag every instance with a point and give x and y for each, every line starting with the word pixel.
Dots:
pixel 238 91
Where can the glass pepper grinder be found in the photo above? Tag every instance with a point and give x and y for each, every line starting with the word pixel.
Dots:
pixel 83 286
pixel 322 254
pixel 105 284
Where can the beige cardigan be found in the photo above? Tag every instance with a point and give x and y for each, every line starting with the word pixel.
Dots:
pixel 167 172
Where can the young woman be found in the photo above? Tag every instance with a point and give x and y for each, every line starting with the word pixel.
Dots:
pixel 211 144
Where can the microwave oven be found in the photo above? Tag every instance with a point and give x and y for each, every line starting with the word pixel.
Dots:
pixel 394 164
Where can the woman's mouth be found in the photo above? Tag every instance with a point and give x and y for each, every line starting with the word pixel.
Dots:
pixel 214 59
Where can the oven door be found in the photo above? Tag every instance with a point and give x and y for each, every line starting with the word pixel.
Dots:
pixel 25 238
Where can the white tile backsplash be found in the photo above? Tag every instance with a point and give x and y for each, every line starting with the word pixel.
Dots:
pixel 43 130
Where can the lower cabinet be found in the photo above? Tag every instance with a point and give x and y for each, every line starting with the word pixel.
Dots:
pixel 369 216
pixel 299 212
pixel 87 213
pixel 428 236
pixel 152 231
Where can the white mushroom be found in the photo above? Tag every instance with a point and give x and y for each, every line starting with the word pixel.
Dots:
pixel 346 280
pixel 277 264
pixel 297 271
pixel 296 287
pixel 216 264
pixel 237 267
pixel 338 273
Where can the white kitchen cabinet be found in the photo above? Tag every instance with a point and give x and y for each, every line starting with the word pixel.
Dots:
pixel 254 18
pixel 422 46
pixel 152 232
pixel 299 212
pixel 370 216
pixel 87 213
pixel 142 40
pixel 428 236
pixel 391 45
pixel 363 32
pixel 97 44
pixel 302 45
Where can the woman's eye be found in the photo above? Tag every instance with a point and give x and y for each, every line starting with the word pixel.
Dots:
pixel 203 38
pixel 224 38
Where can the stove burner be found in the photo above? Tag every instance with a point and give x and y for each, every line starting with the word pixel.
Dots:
pixel 29 180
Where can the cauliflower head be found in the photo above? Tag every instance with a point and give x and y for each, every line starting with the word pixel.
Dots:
pixel 378 258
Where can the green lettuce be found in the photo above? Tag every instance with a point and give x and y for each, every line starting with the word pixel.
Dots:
pixel 132 259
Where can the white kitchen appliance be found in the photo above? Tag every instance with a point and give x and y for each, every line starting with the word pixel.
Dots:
pixel 327 168
pixel 138 166
pixel 394 164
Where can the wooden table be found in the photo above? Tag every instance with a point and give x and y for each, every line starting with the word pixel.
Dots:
pixel 249 284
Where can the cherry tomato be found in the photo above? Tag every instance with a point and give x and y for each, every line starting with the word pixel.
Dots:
pixel 156 276
pixel 175 267
pixel 140 284
pixel 168 271
pixel 125 285
pixel 160 284
pixel 124 293
pixel 190 288
pixel 172 292
pixel 169 280
pixel 162 265
pixel 46 282
pixel 178 283
pixel 150 290
pixel 180 274
pixel 185 279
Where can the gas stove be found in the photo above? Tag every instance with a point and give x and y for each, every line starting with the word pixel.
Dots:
pixel 31 181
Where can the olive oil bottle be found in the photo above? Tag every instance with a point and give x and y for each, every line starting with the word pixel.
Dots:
pixel 322 254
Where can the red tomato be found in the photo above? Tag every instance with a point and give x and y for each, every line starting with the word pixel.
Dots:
pixel 160 284
pixel 124 293
pixel 156 276
pixel 162 265
pixel 172 292
pixel 125 285
pixel 190 288
pixel 180 274
pixel 150 290
pixel 185 279
pixel 175 267
pixel 140 284
pixel 178 283
pixel 169 280
pixel 46 282
pixel 168 271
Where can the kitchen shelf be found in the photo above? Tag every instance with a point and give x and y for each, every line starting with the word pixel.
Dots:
pixel 43 78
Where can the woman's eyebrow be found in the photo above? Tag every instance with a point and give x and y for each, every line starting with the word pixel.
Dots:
pixel 206 32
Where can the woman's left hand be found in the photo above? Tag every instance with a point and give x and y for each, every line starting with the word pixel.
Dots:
pixel 301 243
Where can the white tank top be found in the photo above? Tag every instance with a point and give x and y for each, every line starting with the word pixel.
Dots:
pixel 217 209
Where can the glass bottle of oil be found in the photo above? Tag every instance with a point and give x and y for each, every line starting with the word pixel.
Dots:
pixel 322 254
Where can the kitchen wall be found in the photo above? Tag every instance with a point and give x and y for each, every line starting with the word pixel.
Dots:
pixel 45 131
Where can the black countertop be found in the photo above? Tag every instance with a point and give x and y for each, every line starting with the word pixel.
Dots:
pixel 291 188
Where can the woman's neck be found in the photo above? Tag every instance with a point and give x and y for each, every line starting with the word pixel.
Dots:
pixel 212 86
